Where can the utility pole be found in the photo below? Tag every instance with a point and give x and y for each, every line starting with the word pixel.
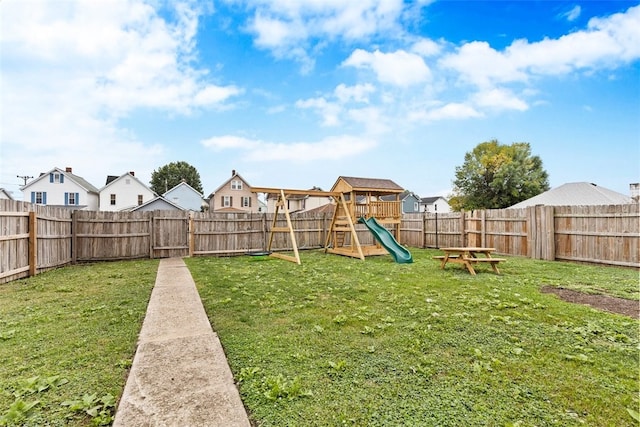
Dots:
pixel 24 177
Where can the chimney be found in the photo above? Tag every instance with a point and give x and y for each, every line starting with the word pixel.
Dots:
pixel 68 169
pixel 233 172
pixel 132 173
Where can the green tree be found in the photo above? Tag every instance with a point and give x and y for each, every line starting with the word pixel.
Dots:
pixel 172 174
pixel 495 176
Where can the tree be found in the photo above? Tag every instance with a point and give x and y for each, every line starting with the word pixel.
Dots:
pixel 172 174
pixel 495 176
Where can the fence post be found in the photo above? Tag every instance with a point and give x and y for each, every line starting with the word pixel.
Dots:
pixel 191 233
pixel 33 243
pixel 483 228
pixel 462 229
pixel 74 237
pixel 151 235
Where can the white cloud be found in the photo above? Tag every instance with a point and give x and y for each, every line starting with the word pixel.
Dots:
pixel 330 148
pixel 573 14
pixel 399 68
pixel 450 111
pixel 426 48
pixel 501 99
pixel 329 111
pixel 356 93
pixel 72 70
pixel 607 42
pixel 291 28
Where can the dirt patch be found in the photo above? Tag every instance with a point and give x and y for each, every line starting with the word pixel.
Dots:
pixel 612 304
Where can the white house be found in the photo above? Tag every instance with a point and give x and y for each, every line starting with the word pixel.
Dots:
pixel 185 196
pixel 434 204
pixel 124 192
pixel 61 188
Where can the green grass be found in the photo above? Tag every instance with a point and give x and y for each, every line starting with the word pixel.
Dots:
pixel 67 339
pixel 337 341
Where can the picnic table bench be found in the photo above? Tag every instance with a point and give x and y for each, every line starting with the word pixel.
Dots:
pixel 468 256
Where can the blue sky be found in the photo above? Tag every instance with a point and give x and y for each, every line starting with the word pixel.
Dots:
pixel 294 93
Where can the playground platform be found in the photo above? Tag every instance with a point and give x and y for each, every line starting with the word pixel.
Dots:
pixel 180 375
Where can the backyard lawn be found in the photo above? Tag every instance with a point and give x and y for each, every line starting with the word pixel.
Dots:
pixel 337 341
pixel 67 339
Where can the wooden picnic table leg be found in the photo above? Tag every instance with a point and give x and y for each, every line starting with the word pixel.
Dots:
pixel 444 261
pixel 494 265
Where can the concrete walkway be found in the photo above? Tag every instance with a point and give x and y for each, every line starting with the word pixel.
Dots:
pixel 180 376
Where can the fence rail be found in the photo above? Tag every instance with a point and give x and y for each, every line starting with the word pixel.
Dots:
pixel 36 238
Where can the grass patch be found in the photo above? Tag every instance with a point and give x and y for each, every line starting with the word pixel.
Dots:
pixel 338 341
pixel 67 339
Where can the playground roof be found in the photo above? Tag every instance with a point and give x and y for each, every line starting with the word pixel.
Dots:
pixel 350 183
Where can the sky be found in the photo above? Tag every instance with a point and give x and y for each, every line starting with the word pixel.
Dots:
pixel 295 93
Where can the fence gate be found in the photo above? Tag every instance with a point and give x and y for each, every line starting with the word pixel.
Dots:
pixel 170 232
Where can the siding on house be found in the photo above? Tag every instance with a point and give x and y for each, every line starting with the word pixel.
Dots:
pixel 124 192
pixel 61 188
pixel 234 196
pixel 185 196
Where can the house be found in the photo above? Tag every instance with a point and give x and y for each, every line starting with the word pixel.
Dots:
pixel 234 196
pixel 575 194
pixel 158 203
pixel 185 196
pixel 299 203
pixel 62 188
pixel 124 192
pixel 434 204
pixel 410 202
pixel 5 194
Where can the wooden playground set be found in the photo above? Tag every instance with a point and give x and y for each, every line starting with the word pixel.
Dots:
pixel 356 200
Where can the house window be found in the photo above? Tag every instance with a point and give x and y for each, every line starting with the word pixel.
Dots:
pixel 71 199
pixel 140 198
pixel 227 201
pixel 245 202
pixel 416 207
pixel 56 178
pixel 236 185
pixel 113 200
pixel 39 197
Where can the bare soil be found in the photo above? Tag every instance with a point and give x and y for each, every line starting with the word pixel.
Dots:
pixel 602 302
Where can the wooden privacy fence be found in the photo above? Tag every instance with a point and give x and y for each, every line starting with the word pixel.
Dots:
pixel 36 238
pixel 595 234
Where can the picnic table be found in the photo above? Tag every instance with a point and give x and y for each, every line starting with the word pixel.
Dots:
pixel 468 256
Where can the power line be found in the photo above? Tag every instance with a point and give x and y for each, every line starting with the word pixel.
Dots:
pixel 24 177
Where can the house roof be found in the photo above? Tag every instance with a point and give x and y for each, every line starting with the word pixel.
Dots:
pixel 430 200
pixel 157 200
pixel 6 193
pixel 405 194
pixel 327 208
pixel 576 193
pixel 112 178
pixel 369 184
pixel 234 175
pixel 69 175
pixel 186 185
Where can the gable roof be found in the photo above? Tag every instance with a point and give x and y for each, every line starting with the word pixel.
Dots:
pixel 186 185
pixel 112 178
pixel 574 194
pixel 429 200
pixel 69 175
pixel 369 184
pixel 159 200
pixel 234 175
pixel 403 196
pixel 6 193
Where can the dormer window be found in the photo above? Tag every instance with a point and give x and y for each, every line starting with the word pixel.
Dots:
pixel 236 184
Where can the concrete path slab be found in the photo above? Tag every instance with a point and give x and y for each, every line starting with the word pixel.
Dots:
pixel 180 375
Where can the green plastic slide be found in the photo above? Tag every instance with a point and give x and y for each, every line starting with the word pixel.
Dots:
pixel 399 253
